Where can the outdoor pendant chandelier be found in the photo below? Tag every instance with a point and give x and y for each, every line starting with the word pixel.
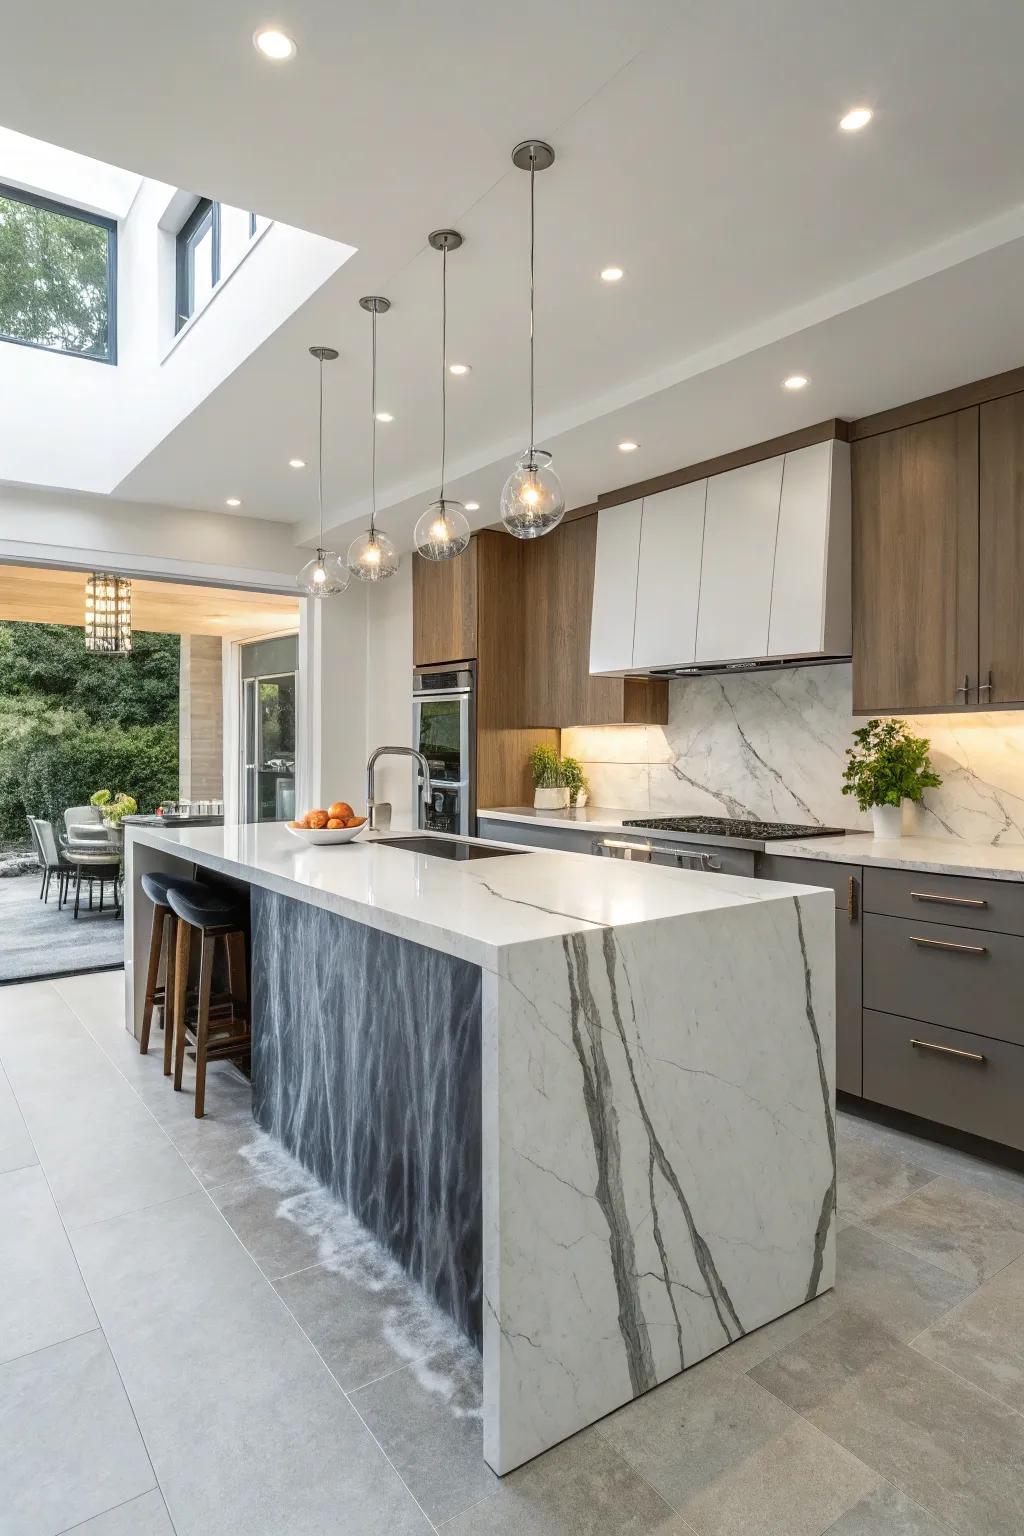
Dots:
pixel 108 614
pixel 371 555
pixel 532 502
pixel 325 575
pixel 443 530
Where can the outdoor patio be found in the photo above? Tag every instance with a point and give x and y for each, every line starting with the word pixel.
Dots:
pixel 38 940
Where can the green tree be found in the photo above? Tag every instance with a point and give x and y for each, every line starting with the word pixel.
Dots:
pixel 53 279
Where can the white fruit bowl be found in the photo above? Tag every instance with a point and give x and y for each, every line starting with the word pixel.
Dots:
pixel 319 837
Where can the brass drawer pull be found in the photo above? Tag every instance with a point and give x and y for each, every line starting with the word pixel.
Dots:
pixel 960 949
pixel 947 1050
pixel 949 901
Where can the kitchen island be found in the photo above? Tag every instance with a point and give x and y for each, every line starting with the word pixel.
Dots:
pixel 590 1106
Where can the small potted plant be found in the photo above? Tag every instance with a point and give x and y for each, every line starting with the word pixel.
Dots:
pixel 888 766
pixel 575 780
pixel 549 787
pixel 114 807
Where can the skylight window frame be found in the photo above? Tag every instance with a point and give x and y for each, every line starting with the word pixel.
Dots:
pixel 84 216
pixel 204 209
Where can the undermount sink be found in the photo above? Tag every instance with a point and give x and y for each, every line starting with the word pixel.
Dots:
pixel 447 848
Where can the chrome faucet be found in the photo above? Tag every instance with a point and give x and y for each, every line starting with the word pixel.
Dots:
pixel 380 815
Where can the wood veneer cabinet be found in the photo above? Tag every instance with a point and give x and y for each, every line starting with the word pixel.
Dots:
pixel 1001 552
pixel 444 609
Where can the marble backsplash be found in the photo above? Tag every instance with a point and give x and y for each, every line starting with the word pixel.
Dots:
pixel 773 745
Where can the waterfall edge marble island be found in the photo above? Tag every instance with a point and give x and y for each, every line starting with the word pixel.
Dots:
pixel 590 1106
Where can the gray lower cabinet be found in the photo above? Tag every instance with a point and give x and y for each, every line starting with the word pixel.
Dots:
pixel 564 839
pixel 845 881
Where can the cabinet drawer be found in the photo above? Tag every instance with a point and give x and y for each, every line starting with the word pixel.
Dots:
pixel 565 840
pixel 959 900
pixel 843 879
pixel 982 1097
pixel 963 979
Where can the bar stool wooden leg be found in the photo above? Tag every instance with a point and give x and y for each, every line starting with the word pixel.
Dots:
pixel 181 959
pixel 170 988
pixel 206 953
pixel 156 944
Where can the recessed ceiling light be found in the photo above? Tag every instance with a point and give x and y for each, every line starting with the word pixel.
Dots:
pixel 297 463
pixel 459 368
pixel 611 274
pixel 275 44
pixel 628 446
pixel 472 506
pixel 856 119
pixel 232 501
pixel 384 416
pixel 795 381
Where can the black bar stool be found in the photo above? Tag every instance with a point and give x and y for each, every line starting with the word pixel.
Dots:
pixel 220 1027
pixel 160 993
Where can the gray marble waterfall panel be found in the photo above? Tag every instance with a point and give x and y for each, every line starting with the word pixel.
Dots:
pixel 366 1067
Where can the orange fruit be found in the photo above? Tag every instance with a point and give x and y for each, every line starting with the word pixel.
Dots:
pixel 333 823
pixel 354 821
pixel 341 809
pixel 317 819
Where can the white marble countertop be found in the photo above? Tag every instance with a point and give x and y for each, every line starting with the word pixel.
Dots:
pixel 935 855
pixel 475 909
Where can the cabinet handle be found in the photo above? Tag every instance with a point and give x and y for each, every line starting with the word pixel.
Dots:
pixel 851 898
pixel 961 949
pixel 949 901
pixel 986 688
pixel 947 1050
pixel 964 688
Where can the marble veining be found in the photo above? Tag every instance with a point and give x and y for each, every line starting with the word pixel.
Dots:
pixel 773 745
pixel 366 1067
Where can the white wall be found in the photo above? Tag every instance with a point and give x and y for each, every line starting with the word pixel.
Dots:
pixel 389 686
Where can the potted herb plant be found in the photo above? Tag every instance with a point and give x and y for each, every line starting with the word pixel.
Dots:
pixel 575 780
pixel 549 787
pixel 114 807
pixel 887 766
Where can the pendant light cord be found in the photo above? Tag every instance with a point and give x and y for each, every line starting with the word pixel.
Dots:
pixel 373 426
pixel 533 169
pixel 320 464
pixel 444 362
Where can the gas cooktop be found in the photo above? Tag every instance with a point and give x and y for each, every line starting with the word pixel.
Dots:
pixel 732 826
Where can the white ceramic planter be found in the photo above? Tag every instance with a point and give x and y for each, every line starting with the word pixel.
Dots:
pixel 887 821
pixel 581 799
pixel 551 799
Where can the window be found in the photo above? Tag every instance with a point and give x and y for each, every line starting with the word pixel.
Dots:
pixel 58 276
pixel 198 260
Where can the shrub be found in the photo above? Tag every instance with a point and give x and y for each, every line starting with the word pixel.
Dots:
pixel 58 771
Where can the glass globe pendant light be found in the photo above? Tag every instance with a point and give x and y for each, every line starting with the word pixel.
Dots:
pixel 532 501
pixel 325 575
pixel 371 555
pixel 442 532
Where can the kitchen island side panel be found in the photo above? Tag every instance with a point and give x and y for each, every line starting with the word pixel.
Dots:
pixel 366 1067
pixel 660 1171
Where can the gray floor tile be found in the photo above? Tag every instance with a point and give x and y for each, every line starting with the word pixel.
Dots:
pixel 953 1450
pixel 42 1296
pixel 887 1512
pixel 814 1368
pixel 16 1149
pixel 201 1337
pixel 971 1234
pixel 732 1459
pixel 947 1162
pixel 428 1418
pixel 764 1342
pixel 260 1217
pixel 146 1516
pixel 581 1488
pixel 69 1444
pixel 904 1292
pixel 983 1339
pixel 111 1174
pixel 870 1179
pixel 212 1146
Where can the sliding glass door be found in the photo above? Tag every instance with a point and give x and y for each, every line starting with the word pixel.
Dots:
pixel 268 729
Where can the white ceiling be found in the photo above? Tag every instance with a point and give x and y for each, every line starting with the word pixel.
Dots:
pixel 697 147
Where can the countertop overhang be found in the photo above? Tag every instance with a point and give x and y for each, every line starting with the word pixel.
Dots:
pixel 476 910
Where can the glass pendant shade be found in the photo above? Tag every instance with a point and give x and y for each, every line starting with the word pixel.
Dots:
pixel 443 531
pixel 532 501
pixel 324 576
pixel 108 614
pixel 372 556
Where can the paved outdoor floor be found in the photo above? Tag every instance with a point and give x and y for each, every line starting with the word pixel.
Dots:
pixel 195 1340
pixel 37 940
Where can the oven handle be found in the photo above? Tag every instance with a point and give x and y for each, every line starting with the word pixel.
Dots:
pixel 441 693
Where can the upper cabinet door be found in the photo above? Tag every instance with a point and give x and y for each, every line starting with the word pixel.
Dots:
pixel 614 605
pixel 668 579
pixel 1001 544
pixel 915 566
pixel 740 527
pixel 811 581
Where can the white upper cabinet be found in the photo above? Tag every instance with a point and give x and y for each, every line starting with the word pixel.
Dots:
pixel 811 588
pixel 668 578
pixel 615 570
pixel 740 526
